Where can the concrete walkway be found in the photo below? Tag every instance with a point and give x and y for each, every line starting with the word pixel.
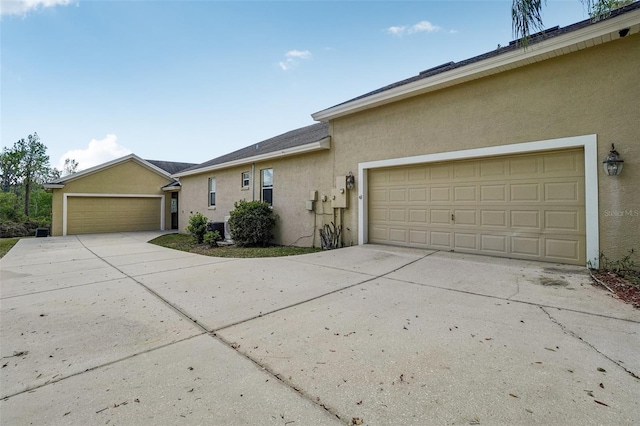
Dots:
pixel 108 329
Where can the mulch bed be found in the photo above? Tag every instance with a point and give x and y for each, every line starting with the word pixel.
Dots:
pixel 623 288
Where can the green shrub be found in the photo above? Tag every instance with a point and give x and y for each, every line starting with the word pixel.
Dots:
pixel 212 238
pixel 251 223
pixel 197 227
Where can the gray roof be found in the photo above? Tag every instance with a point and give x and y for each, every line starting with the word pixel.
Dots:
pixel 291 139
pixel 513 45
pixel 170 167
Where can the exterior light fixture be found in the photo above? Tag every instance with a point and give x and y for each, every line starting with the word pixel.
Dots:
pixel 613 164
pixel 351 181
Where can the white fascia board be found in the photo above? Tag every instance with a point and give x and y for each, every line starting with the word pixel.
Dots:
pixel 510 60
pixel 53 185
pixel 302 149
pixel 111 163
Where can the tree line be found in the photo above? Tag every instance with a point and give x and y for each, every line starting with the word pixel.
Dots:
pixel 24 168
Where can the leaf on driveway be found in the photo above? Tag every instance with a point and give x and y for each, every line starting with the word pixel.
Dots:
pixel 515 396
pixel 602 370
pixel 600 402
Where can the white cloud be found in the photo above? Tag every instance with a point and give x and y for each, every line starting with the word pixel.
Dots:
pixel 98 152
pixel 22 7
pixel 305 54
pixel 424 26
pixel 420 27
pixel 293 58
pixel 396 30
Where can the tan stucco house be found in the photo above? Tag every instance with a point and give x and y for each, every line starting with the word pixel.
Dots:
pixel 127 194
pixel 500 154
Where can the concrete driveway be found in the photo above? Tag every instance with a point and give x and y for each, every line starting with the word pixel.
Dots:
pixel 108 329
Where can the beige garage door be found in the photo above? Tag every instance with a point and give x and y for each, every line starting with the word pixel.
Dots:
pixel 89 215
pixel 525 206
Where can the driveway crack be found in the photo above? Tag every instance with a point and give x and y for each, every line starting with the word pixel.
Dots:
pixel 568 332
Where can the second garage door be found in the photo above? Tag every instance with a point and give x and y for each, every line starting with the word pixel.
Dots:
pixel 525 206
pixel 88 215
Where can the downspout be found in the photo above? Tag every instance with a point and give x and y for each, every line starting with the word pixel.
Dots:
pixel 253 181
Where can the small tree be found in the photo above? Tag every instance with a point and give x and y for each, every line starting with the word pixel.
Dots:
pixel 197 227
pixel 251 223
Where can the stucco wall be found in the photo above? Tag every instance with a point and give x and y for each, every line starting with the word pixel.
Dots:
pixel 293 178
pixel 125 178
pixel 594 91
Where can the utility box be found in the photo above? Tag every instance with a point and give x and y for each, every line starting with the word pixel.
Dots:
pixel 42 232
pixel 217 226
pixel 339 194
pixel 310 205
pixel 313 196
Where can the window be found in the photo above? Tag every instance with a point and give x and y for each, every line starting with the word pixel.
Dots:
pixel 212 192
pixel 245 180
pixel 267 186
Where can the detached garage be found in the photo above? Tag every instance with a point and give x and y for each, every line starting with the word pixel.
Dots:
pixel 127 194
pixel 90 214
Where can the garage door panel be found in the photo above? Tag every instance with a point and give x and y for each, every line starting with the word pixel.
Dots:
pixel 465 217
pixel 440 194
pixel 526 246
pixel 416 195
pixel 397 195
pixel 463 241
pixel 440 172
pixel 526 192
pixel 496 244
pixel 524 166
pixel 562 249
pixel 490 193
pixel 440 239
pixel 464 193
pixel 397 215
pixel 561 191
pixel 418 215
pixel 464 170
pixel 112 214
pixel 418 237
pixel 439 216
pixel 398 235
pixel 493 168
pixel 528 206
pixel 525 219
pixel 562 220
pixel 493 218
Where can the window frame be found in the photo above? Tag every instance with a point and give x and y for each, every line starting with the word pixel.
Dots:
pixel 211 192
pixel 245 181
pixel 267 188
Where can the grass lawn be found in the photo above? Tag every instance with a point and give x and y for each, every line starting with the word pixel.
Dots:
pixel 185 243
pixel 6 244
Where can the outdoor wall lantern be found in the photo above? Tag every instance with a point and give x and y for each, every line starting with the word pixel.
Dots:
pixel 613 164
pixel 351 181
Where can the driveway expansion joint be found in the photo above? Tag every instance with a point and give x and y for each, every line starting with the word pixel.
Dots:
pixel 97 367
pixel 524 302
pixel 568 332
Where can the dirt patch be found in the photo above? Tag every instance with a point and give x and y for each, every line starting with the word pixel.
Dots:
pixel 553 282
pixel 623 288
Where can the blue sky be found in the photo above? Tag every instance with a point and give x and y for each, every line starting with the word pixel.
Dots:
pixel 192 80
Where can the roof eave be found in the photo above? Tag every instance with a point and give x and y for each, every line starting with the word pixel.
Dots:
pixel 322 144
pixel 53 185
pixel 591 35
pixel 99 167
